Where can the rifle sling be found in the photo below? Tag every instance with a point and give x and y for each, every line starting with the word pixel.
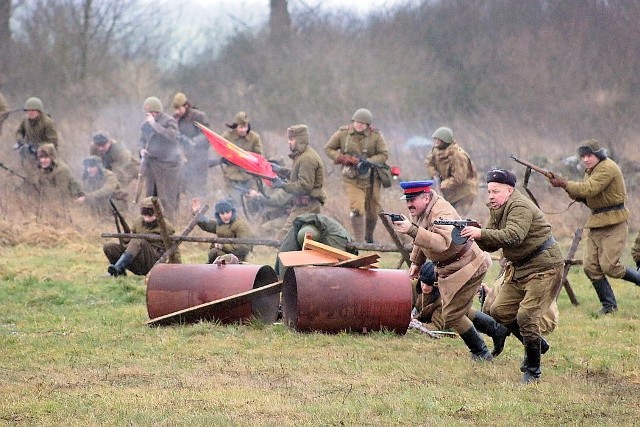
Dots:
pixel 527 174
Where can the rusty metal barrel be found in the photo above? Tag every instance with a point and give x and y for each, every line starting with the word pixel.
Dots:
pixel 331 299
pixel 173 288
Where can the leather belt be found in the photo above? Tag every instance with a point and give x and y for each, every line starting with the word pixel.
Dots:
pixel 456 257
pixel 543 247
pixel 607 209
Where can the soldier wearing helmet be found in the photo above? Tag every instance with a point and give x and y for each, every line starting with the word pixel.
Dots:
pixel 347 147
pixel 451 166
pixel 36 129
pixel 604 192
pixel 161 156
pixel 115 157
pixel 236 180
pixel 194 145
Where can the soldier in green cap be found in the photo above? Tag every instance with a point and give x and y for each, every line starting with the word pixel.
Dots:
pixel 35 130
pixel 194 144
pixel 161 156
pixel 237 181
pixel 604 192
pixel 451 166
pixel 348 147
pixel 306 180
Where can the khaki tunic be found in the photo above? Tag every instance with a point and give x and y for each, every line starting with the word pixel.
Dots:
pixel 458 281
pixel 603 187
pixel 306 185
pixel 40 131
pixel 57 181
pixel 429 307
pixel 234 229
pixel 457 174
pixel 98 189
pixel 119 160
pixel 363 191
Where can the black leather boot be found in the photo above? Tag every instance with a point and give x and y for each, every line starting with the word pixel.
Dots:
pixel 488 326
pixel 532 371
pixel 605 295
pixel 632 276
pixel 120 267
pixel 477 347
pixel 514 328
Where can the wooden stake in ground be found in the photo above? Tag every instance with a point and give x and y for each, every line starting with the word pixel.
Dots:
pixel 394 236
pixel 164 233
pixel 568 262
pixel 184 233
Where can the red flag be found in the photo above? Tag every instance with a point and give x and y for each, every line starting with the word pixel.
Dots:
pixel 251 162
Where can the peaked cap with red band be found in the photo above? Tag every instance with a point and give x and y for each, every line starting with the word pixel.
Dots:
pixel 415 188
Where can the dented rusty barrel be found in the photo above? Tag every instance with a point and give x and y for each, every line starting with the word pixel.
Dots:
pixel 175 287
pixel 330 299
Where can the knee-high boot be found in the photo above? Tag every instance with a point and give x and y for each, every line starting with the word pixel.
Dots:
pixel 605 295
pixel 120 267
pixel 477 347
pixel 532 371
pixel 488 326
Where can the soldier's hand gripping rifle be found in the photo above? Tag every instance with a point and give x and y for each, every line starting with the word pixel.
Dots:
pixel 458 225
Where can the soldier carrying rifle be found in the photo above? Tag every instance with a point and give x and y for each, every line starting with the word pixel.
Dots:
pixel 35 130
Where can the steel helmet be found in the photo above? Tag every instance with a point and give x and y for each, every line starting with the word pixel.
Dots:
pixel 33 103
pixel 152 104
pixel 362 115
pixel 308 228
pixel 444 134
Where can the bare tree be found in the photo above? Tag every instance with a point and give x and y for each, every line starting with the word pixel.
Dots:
pixel 5 39
pixel 280 22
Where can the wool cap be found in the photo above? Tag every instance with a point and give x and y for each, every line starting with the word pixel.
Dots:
pixel 101 138
pixel 297 130
pixel 179 99
pixel 241 118
pixel 92 161
pixel 591 146
pixel 428 273
pixel 223 206
pixel 501 176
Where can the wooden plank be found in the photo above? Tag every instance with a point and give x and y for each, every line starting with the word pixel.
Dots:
pixel 361 261
pixel 220 304
pixel 309 257
pixel 341 255
pixel 564 282
pixel 169 252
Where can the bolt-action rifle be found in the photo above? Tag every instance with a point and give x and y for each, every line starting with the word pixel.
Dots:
pixel 531 166
pixel 11 171
pixel 120 221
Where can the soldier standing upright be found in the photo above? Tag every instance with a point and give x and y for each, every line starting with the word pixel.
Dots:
pixel 161 156
pixel 35 130
pixel 237 181
pixel 347 147
pixel 194 144
pixel 534 269
pixel 451 166
pixel 460 267
pixel 604 192
pixel 307 177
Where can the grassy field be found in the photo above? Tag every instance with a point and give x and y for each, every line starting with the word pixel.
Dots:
pixel 75 351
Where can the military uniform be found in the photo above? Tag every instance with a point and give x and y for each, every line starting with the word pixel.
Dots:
pixel 277 205
pixel 362 189
pixel 138 255
pixel 162 164
pixel 532 276
pixel 236 228
pixel 33 133
pixel 306 181
pixel 100 188
pixel 460 267
pixel 429 310
pixel 117 159
pixel 55 181
pixel 195 148
pixel 236 179
pixel 603 191
pixel 457 175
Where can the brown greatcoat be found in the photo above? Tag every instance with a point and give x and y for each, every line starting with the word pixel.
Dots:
pixel 37 132
pixel 433 242
pixel 119 160
pixel 457 174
